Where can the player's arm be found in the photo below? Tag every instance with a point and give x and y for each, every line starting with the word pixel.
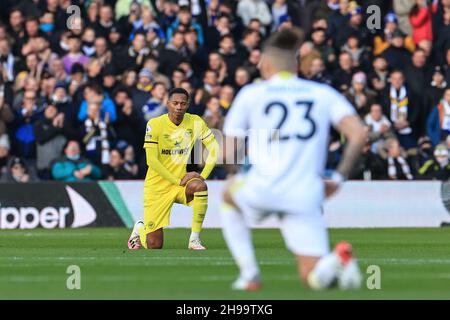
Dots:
pixel 356 135
pixel 209 141
pixel 349 124
pixel 151 152
pixel 235 128
pixel 213 152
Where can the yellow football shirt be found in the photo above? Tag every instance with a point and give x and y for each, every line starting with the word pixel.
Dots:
pixel 174 145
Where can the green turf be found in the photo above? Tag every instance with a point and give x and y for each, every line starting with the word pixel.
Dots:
pixel 415 263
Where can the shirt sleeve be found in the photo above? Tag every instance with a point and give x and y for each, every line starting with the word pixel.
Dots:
pixel 237 119
pixel 151 137
pixel 206 135
pixel 339 107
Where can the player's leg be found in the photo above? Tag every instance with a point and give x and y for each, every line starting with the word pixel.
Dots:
pixel 155 239
pixel 238 238
pixel 196 193
pixel 306 236
pixel 156 216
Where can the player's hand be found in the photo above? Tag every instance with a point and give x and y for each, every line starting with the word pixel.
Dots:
pixel 330 187
pixel 189 176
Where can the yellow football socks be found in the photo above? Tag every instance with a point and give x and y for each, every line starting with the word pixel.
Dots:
pixel 200 205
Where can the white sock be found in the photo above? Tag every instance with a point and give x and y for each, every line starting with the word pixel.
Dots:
pixel 238 238
pixel 194 236
pixel 325 272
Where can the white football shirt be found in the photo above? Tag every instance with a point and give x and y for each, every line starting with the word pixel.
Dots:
pixel 287 122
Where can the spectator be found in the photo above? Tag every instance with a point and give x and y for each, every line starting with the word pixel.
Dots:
pixel 75 55
pixel 7 61
pixel 359 95
pixel 105 21
pixel 250 41
pixel 130 161
pixel 142 92
pixel 94 94
pixel 402 109
pixel 152 63
pixel 124 8
pixel 216 63
pixel 128 126
pixel 378 79
pixel 396 55
pixel 397 166
pixel 420 17
pixel 437 168
pixel 184 23
pixel 115 170
pixel 51 132
pixel 178 76
pixel 4 153
pixel 379 126
pixel 24 140
pixel 221 27
pixel 252 63
pixel 418 73
pixel 18 172
pixel 213 115
pixel 109 79
pixel 249 9
pixel 447 66
pixel 442 42
pixel 226 97
pixel 370 166
pixel 438 123
pixel 354 26
pixel 210 87
pixel 228 52
pixel 424 153
pixel 147 24
pixel 320 41
pixel 173 53
pixel 402 8
pixel 241 78
pixel 342 76
pixel 6 115
pixel 156 105
pixel 337 19
pixel 133 56
pixel 360 56
pixel 96 134
pixel 73 167
pixel 435 91
pixel 318 72
pixel 383 41
pixel 63 103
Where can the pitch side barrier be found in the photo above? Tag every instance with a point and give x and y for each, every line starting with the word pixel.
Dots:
pixel 372 204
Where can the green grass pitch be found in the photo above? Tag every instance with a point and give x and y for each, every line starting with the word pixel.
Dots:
pixel 415 263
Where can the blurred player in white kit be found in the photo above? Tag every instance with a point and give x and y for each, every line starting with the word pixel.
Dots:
pixel 287 122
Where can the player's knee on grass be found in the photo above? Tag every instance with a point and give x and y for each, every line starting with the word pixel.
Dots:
pixel 155 240
pixel 306 265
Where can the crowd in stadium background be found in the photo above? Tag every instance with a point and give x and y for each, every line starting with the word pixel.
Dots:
pixel 77 90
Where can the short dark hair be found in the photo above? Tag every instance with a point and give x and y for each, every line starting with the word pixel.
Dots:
pixel 158 83
pixel 178 91
pixel 248 32
pixel 185 9
pixel 286 39
pixel 226 36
